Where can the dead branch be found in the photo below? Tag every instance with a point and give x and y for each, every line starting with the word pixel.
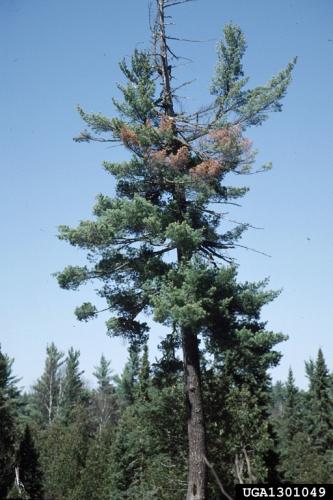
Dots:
pixel 177 2
pixel 217 479
pixel 252 477
pixel 252 250
pixel 190 40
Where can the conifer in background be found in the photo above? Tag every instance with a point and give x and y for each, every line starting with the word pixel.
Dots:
pixel 8 423
pixel 27 461
pixel 64 447
pixel 292 419
pixel 46 392
pixel 104 399
pixel 72 390
pixel 148 451
pixel 320 416
pixel 304 426
pixel 237 388
pixel 127 383
pixel 103 374
pixel 290 426
pixel 157 247
pixel 92 483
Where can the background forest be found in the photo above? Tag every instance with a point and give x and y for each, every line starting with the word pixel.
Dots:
pixel 126 438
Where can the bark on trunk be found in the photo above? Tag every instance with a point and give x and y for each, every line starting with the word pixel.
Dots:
pixel 197 470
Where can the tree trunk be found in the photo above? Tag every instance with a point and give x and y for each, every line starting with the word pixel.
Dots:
pixel 197 470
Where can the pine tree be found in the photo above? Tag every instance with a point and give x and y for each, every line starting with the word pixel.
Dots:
pixel 290 425
pixel 64 447
pixel 320 417
pixel 237 385
pixel 46 390
pixel 292 421
pixel 8 400
pixel 93 481
pixel 103 374
pixel 166 205
pixel 148 453
pixel 303 463
pixel 72 390
pixel 27 461
pixel 168 369
pixel 104 399
pixel 304 427
pixel 127 383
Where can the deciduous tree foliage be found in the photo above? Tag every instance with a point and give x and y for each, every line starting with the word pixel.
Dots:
pixel 157 246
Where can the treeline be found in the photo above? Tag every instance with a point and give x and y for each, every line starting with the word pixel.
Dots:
pixel 126 438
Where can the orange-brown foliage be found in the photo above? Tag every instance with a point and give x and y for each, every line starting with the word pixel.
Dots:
pixel 159 157
pixel 208 168
pixel 180 159
pixel 177 161
pixel 129 137
pixel 231 138
pixel 224 136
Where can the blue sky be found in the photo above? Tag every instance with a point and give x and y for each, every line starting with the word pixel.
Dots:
pixel 57 54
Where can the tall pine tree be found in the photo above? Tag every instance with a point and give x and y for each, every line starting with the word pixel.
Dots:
pixel 166 205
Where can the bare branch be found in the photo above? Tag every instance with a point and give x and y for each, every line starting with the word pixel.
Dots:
pixel 183 85
pixel 238 223
pixel 172 53
pixel 178 2
pixel 168 37
pixel 252 250
pixel 217 479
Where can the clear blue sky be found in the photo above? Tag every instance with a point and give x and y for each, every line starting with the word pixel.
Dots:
pixel 57 54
